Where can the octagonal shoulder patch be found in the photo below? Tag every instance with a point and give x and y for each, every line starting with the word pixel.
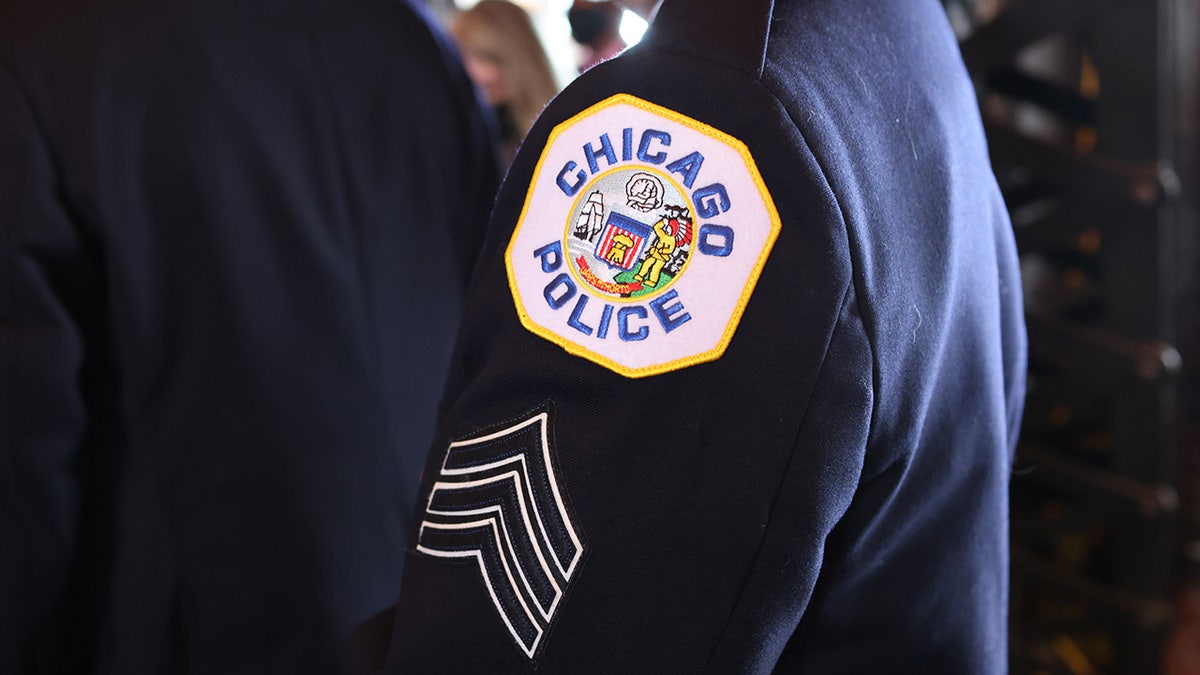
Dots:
pixel 642 237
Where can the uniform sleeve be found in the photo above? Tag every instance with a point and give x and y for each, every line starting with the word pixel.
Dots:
pixel 605 497
pixel 41 405
pixel 630 477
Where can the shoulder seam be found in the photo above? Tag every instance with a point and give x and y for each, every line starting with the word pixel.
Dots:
pixel 853 287
pixel 861 298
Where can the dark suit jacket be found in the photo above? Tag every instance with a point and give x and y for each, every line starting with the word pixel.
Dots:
pixel 233 241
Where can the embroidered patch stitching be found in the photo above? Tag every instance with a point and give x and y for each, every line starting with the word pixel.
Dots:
pixel 631 233
pixel 497 500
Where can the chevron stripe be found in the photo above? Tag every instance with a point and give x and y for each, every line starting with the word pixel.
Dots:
pixel 497 500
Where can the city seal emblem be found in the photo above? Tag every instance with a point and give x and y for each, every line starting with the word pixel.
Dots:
pixel 642 236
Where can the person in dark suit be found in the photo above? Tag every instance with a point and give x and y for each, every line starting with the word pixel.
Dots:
pixel 791 452
pixel 233 242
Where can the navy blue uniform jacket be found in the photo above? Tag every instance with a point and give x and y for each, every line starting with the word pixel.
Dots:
pixel 233 242
pixel 827 496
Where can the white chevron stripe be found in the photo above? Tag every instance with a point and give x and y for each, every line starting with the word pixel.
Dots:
pixel 487 580
pixel 496 511
pixel 515 472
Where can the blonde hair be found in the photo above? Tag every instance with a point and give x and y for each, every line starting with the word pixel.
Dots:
pixel 501 32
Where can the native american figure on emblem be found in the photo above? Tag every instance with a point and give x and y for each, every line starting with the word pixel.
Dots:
pixel 644 192
pixel 673 232
pixel 591 218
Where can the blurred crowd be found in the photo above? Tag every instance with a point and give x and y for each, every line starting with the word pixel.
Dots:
pixel 511 66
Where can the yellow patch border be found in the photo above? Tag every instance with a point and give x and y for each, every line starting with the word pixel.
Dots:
pixel 752 281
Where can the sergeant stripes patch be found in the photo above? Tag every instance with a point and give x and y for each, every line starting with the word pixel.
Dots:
pixel 497 500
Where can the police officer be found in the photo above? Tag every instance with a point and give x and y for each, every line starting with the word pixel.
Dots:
pixel 233 241
pixel 792 454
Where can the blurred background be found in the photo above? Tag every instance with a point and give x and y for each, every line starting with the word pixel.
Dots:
pixel 1091 113
pixel 1091 108
pixel 550 19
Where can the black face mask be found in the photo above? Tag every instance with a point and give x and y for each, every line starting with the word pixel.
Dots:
pixel 590 24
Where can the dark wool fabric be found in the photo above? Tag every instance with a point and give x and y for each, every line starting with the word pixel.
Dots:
pixel 830 495
pixel 233 242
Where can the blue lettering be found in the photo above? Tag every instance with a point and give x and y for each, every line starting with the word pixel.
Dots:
pixel 551 255
pixel 688 167
pixel 574 321
pixel 560 281
pixel 725 235
pixel 593 154
pixel 671 317
pixel 644 147
pixel 626 144
pixel 706 206
pixel 569 189
pixel 605 318
pixel 623 315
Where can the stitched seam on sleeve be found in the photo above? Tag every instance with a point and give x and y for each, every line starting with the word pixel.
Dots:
pixel 852 284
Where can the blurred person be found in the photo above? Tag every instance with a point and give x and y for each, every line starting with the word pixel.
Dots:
pixel 596 26
pixel 233 241
pixel 787 447
pixel 505 58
